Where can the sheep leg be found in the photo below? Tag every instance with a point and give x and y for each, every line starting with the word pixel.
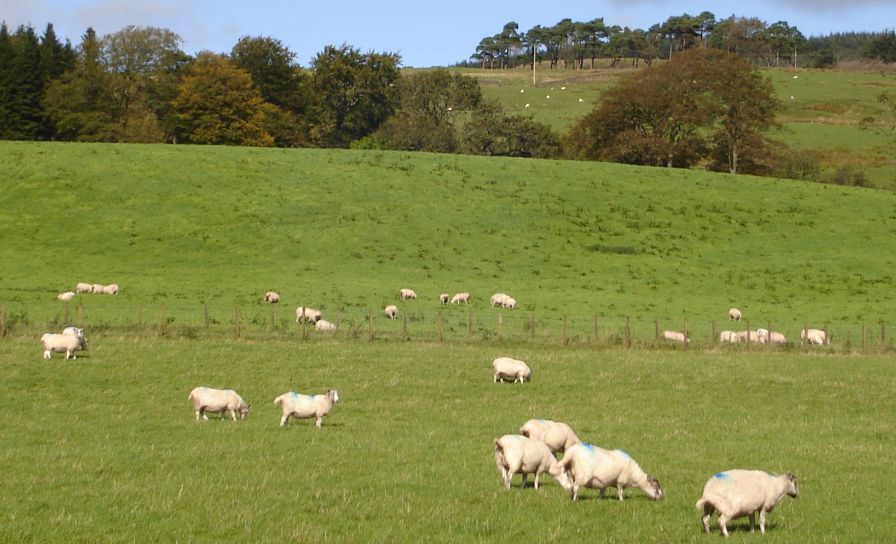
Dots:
pixel 575 490
pixel 723 520
pixel 707 514
pixel 319 420
pixel 47 354
pixel 232 415
pixel 621 492
pixel 601 493
pixel 537 474
pixel 753 522
pixel 762 521
pixel 283 420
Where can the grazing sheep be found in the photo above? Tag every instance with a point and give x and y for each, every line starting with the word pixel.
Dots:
pixel 814 336
pixel 557 435
pixel 59 343
pixel 79 333
pixel 443 298
pixel 728 337
pixel 97 288
pixel 770 337
pixel 734 314
pixel 307 314
pixel 460 297
pixel 84 288
pixel 391 311
pixel 594 467
pixel 302 406
pixel 516 454
pixel 738 493
pixel 66 296
pixel 271 297
pixel 498 299
pixel 208 400
pixel 324 325
pixel 505 367
pixel 748 336
pixel 111 289
pixel 509 303
pixel 405 294
pixel 675 336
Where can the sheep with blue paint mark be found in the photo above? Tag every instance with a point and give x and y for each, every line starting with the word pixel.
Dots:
pixel 516 454
pixel 302 406
pixel 210 400
pixel 506 367
pixel 557 435
pixel 594 467
pixel 738 493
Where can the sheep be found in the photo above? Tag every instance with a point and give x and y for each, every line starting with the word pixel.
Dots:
pixel 498 299
pixel 460 297
pixel 84 288
pixel 271 297
pixel 98 288
pixel 748 336
pixel 324 325
pixel 75 331
pixel 307 314
pixel 815 336
pixel 728 337
pixel 66 296
pixel 59 343
pixel 209 400
pixel 111 289
pixel 770 337
pixel 557 435
pixel 443 298
pixel 738 493
pixel 591 466
pixel 391 311
pixel 509 303
pixel 302 406
pixel 516 454
pixel 505 367
pixel 675 336
pixel 405 294
pixel 734 314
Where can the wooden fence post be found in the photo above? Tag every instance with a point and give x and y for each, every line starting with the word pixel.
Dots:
pixel 827 336
pixel 628 332
pixel 273 318
pixel 532 324
pixel 687 341
pixel 2 320
pixel 565 329
pixel 883 335
pixel 236 322
pixel 162 319
pixel 804 336
pixel 206 315
pixel 656 330
pixel 863 338
pixel 80 315
pixel 67 313
pixel 470 324
pixel 713 339
pixel 500 326
pixel 441 327
pixel 596 329
pixel 369 325
pixel 140 315
pixel 749 340
pixel 404 324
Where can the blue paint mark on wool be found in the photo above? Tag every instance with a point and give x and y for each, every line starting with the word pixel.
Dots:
pixel 588 446
pixel 720 475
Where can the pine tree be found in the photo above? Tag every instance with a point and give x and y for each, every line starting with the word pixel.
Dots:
pixel 25 117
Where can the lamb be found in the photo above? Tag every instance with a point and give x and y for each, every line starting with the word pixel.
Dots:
pixel 591 466
pixel 324 325
pixel 66 296
pixel 728 337
pixel 516 454
pixel 557 435
pixel 111 289
pixel 302 406
pixel 815 336
pixel 675 336
pixel 59 343
pixel 505 367
pixel 460 297
pixel 498 299
pixel 509 303
pixel 738 493
pixel 391 311
pixel 405 294
pixel 443 298
pixel 271 297
pixel 84 288
pixel 207 399
pixel 734 314
pixel 79 333
pixel 307 314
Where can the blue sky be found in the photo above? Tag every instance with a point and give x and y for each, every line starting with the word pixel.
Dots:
pixel 423 33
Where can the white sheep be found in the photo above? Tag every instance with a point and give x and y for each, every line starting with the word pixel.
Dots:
pixel 594 467
pixel 749 336
pixel 505 367
pixel 324 325
pixel 209 400
pixel 307 314
pixel 66 296
pixel 84 288
pixel 557 435
pixel 79 333
pixel 460 297
pixel 509 303
pixel 405 294
pixel 728 337
pixel 443 298
pixel 516 454
pixel 59 343
pixel 498 299
pixel 770 337
pixel 734 314
pixel 738 493
pixel 814 336
pixel 391 311
pixel 97 288
pixel 272 297
pixel 675 336
pixel 302 406
pixel 111 289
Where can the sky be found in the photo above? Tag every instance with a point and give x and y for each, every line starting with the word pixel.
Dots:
pixel 423 33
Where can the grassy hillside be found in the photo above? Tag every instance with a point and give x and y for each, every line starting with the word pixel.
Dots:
pixel 344 230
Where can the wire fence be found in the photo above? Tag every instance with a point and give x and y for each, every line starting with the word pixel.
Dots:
pixel 445 324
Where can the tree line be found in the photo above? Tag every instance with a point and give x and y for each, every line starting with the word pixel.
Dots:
pixel 577 44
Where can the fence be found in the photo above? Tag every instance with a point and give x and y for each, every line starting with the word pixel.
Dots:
pixel 417 323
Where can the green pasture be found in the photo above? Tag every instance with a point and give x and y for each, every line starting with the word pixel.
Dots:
pixel 106 449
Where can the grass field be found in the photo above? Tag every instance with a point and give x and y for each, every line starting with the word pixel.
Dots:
pixel 105 448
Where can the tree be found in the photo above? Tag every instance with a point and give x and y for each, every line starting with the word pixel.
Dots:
pixel 882 47
pixel 217 103
pixel 490 132
pixel 7 54
pixel 352 94
pixel 23 87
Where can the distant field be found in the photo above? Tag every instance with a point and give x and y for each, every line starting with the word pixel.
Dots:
pixel 106 449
